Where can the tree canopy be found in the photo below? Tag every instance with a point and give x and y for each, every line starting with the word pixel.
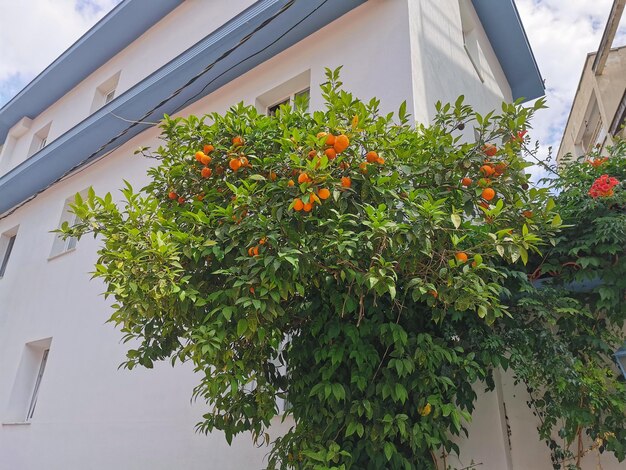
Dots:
pixel 366 273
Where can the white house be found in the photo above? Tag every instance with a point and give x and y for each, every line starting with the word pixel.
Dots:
pixel 63 402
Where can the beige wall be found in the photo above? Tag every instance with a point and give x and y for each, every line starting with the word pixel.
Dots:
pixel 607 88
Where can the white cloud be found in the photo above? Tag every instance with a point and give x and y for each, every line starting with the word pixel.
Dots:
pixel 35 32
pixel 562 33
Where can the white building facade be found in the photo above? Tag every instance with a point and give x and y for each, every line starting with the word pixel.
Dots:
pixel 63 402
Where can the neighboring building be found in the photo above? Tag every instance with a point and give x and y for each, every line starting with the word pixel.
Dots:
pixel 598 112
pixel 64 405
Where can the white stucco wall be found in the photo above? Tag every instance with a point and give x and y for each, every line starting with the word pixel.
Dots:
pixel 441 67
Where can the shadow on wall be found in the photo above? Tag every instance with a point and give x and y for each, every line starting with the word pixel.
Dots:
pixel 450 68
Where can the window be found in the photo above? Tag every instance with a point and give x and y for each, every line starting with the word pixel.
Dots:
pixel 40 140
pixel 105 93
pixel 619 120
pixel 109 96
pixel 29 382
pixel 63 245
pixel 299 99
pixel 294 92
pixel 592 132
pixel 470 36
pixel 7 240
pixel 33 398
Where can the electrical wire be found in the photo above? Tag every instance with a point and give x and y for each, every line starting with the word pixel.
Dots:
pixel 141 120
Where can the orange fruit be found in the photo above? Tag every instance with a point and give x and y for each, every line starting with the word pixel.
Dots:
pixel 527 214
pixel 199 156
pixel 488 194
pixel 262 241
pixel 490 150
pixel 181 200
pixel 172 195
pixel 273 176
pixel 433 293
pixel 330 138
pixel 308 207
pixel 371 157
pixel 251 251
pixel 501 168
pixel 208 149
pixel 346 182
pixel 380 160
pixel 330 153
pixel 466 181
pixel 252 290
pixel 298 205
pixel 461 256
pixel 255 250
pixel 290 183
pixel 200 197
pixel 323 193
pixel 363 167
pixel 303 178
pixel 205 159
pixel 238 141
pixel 244 161
pixel 206 172
pixel 312 154
pixel 234 164
pixel 487 170
pixel 341 143
pixel 484 182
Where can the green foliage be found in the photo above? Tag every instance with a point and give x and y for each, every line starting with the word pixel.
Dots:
pixel 562 337
pixel 361 312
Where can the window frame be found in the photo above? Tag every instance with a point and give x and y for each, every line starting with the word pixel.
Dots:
pixel 35 393
pixel 289 100
pixel 62 246
pixel 7 243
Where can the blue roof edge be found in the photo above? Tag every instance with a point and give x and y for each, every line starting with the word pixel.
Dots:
pixel 122 25
pixel 103 131
pixel 504 28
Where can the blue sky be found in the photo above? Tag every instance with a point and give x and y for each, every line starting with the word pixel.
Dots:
pixel 561 33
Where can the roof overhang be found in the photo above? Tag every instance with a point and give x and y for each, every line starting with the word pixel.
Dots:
pixel 121 26
pixel 281 24
pixel 503 26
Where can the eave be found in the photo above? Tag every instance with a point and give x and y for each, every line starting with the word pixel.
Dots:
pixel 121 26
pixel 503 26
pixel 150 99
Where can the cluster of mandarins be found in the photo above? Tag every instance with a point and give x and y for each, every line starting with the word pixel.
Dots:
pixel 314 192
pixel 333 146
pixel 489 170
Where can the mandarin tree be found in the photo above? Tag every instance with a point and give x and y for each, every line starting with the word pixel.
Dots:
pixel 361 285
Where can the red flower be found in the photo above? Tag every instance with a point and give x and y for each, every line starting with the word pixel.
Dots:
pixel 603 186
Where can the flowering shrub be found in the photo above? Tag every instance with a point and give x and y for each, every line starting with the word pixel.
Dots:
pixel 603 186
pixel 563 350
